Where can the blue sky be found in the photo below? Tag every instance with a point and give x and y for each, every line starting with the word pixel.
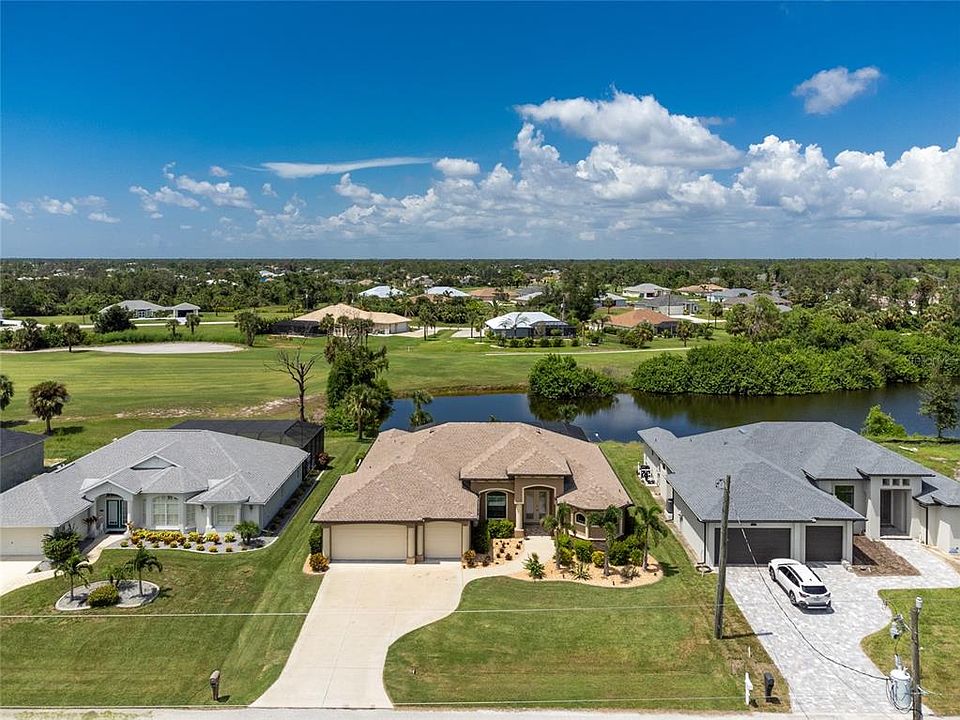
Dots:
pixel 675 130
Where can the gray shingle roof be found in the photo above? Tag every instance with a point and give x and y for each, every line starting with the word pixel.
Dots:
pixel 155 461
pixel 939 490
pixel 12 441
pixel 414 476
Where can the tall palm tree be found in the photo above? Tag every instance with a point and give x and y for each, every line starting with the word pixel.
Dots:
pixel 193 322
pixel 684 331
pixel 648 527
pixel 72 335
pixel 420 416
pixel 361 403
pixel 47 399
pixel 173 325
pixel 716 312
pixel 6 391
pixel 75 567
pixel 557 524
pixel 144 560
pixel 609 520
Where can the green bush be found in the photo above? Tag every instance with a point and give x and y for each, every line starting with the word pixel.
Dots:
pixel 60 545
pixel 620 550
pixel 564 556
pixel 103 596
pixel 534 567
pixel 597 558
pixel 636 557
pixel 565 541
pixel 229 537
pixel 544 342
pixel 559 378
pixel 316 540
pixel 583 549
pixel 500 529
pixel 581 571
pixel 880 424
pixel 480 537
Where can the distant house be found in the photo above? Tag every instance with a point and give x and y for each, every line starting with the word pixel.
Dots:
pixel 21 457
pixel 382 291
pixel 527 324
pixel 671 305
pixel 645 290
pixel 703 289
pixel 304 435
pixel 782 304
pixel 524 298
pixel 384 323
pixel 140 309
pixel 445 291
pixel 616 300
pixel 719 296
pixel 632 318
pixel 489 294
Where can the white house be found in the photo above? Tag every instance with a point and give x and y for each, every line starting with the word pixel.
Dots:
pixel 645 290
pixel 140 309
pixel 382 291
pixel 445 291
pixel 527 324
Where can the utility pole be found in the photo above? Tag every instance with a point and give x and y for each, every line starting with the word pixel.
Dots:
pixel 915 643
pixel 722 575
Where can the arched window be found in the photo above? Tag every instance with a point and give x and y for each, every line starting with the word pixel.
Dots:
pixel 496 505
pixel 580 518
pixel 166 511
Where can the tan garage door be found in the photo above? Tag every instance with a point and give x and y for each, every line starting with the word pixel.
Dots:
pixel 443 540
pixel 21 541
pixel 368 542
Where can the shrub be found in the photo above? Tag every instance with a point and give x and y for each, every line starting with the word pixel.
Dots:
pixel 322 460
pixel 174 544
pixel 116 574
pixel 534 567
pixel 575 342
pixel 581 571
pixel 557 342
pixel 559 378
pixel 583 549
pixel 156 544
pixel 201 548
pixel 620 550
pixel 500 529
pixel 527 342
pixel 565 541
pixel 247 530
pixel 103 596
pixel 480 537
pixel 544 342
pixel 229 548
pixel 124 543
pixel 186 545
pixel 229 537
pixel 880 424
pixel 597 558
pixel 628 572
pixel 470 558
pixel 564 556
pixel 213 549
pixel 60 545
pixel 212 537
pixel 319 562
pixel 193 536
pixel 514 343
pixel 509 556
pixel 316 540
pixel 636 557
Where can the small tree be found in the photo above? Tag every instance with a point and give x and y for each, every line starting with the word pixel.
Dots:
pixel 939 397
pixel 880 424
pixel 59 545
pixel 112 319
pixel 299 369
pixel 173 325
pixel 648 528
pixel 248 323
pixel 72 335
pixel 75 567
pixel 193 322
pixel 47 400
pixel 716 312
pixel 247 530
pixel 558 525
pixel 685 331
pixel 6 391
pixel 419 416
pixel 144 560
pixel 609 520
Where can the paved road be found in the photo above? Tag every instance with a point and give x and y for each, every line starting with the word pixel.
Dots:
pixel 816 684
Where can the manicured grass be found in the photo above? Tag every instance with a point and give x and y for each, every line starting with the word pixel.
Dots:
pixel 943 457
pixel 569 645
pixel 939 640
pixel 136 657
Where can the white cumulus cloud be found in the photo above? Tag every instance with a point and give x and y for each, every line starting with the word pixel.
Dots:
pixel 220 194
pixel 56 207
pixel 102 216
pixel 267 190
pixel 151 201
pixel 220 172
pixel 830 89
pixel 5 213
pixel 457 167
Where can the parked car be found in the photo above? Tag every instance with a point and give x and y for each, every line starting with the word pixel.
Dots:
pixel 801 584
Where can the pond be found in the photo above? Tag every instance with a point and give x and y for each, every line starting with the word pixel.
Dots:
pixel 681 414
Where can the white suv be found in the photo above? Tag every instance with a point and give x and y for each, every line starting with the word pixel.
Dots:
pixel 802 585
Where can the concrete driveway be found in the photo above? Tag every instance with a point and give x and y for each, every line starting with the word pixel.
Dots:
pixel 360 609
pixel 818 686
pixel 15 572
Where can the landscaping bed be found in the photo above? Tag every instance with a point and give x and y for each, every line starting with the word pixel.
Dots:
pixel 210 543
pixel 623 576
pixel 872 557
pixel 128 593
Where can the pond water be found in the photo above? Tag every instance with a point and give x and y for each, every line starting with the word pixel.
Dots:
pixel 681 414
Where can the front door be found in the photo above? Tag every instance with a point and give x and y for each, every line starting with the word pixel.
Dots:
pixel 536 505
pixel 115 514
pixel 885 501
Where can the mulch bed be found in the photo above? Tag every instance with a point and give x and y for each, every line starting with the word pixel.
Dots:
pixel 130 596
pixel 872 557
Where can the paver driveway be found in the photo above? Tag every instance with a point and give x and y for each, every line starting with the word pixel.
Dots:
pixel 816 684
pixel 360 609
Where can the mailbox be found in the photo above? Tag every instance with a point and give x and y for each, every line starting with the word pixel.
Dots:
pixel 215 684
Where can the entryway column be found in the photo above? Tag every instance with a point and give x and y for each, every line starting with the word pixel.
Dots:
pixel 518 523
pixel 209 525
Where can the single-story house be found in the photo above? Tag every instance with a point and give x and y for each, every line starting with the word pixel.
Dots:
pixel 703 289
pixel 632 318
pixel 384 323
pixel 145 309
pixel 798 489
pixel 645 290
pixel 671 305
pixel 783 305
pixel 490 294
pixel 21 457
pixel 613 298
pixel 524 298
pixel 445 291
pixel 307 436
pixel 417 494
pixel 382 291
pixel 159 479
pixel 719 296
pixel 521 324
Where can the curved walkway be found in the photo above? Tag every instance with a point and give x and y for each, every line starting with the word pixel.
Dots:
pixel 359 611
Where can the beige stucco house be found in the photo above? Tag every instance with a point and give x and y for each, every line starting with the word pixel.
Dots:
pixel 384 323
pixel 417 494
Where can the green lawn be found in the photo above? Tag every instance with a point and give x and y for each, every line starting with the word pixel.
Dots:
pixel 939 640
pixel 943 457
pixel 136 657
pixel 581 646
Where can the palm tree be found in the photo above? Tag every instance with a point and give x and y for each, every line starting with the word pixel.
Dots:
pixel 6 391
pixel 645 333
pixel 72 335
pixel 361 403
pixel 173 325
pixel 144 560
pixel 609 520
pixel 716 312
pixel 557 525
pixel 648 527
pixel 428 317
pixel 75 567
pixel 47 400
pixel 193 321
pixel 684 331
pixel 420 416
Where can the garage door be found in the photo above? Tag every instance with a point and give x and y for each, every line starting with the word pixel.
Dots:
pixel 766 544
pixel 21 541
pixel 368 542
pixel 443 540
pixel 824 543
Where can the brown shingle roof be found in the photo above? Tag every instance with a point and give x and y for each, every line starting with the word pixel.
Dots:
pixel 414 476
pixel 641 315
pixel 342 310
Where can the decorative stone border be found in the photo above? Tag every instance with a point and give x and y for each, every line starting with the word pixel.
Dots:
pixel 130 596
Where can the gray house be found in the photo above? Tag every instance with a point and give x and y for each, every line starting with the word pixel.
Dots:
pixel 799 489
pixel 158 479
pixel 21 457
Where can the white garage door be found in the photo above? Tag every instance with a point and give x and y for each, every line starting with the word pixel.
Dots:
pixel 21 541
pixel 368 542
pixel 443 540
